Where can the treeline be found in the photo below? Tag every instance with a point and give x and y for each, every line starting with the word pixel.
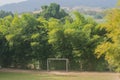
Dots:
pixel 53 33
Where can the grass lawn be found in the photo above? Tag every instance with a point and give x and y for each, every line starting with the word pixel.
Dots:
pixel 57 76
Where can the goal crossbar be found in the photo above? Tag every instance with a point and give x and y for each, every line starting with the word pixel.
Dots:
pixel 56 59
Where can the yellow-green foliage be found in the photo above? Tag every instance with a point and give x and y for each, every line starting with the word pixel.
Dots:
pixel 111 45
pixel 35 36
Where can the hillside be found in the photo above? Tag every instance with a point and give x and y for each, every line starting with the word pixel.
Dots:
pixel 31 5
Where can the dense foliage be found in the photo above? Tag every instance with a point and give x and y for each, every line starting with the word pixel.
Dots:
pixel 110 46
pixel 4 14
pixel 26 39
pixel 53 11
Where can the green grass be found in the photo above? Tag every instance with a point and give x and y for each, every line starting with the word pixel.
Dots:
pixel 46 76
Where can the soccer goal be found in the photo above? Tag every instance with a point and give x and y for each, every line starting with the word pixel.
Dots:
pixel 57 62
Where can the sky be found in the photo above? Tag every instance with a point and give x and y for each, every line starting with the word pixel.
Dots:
pixel 3 2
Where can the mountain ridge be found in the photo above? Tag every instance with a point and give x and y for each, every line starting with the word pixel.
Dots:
pixel 31 5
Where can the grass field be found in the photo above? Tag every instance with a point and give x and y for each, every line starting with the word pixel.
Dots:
pixel 36 75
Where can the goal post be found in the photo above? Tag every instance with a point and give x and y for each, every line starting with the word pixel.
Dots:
pixel 58 59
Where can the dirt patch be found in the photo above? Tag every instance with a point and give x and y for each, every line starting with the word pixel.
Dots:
pixel 61 72
pixel 20 70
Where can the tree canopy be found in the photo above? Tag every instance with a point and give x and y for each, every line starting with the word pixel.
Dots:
pixel 89 46
pixel 53 10
pixel 110 47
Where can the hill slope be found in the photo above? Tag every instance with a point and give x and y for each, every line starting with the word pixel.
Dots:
pixel 31 5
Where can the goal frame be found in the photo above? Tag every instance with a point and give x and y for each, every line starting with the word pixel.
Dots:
pixel 58 59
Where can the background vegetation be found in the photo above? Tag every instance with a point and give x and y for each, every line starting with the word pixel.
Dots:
pixel 53 33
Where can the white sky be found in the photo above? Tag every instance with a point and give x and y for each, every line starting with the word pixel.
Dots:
pixel 3 2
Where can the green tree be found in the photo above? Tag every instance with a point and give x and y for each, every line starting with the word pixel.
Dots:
pixel 76 40
pixel 53 11
pixel 6 57
pixel 3 50
pixel 19 45
pixel 4 14
pixel 27 39
pixel 110 46
pixel 39 43
pixel 82 36
pixel 56 36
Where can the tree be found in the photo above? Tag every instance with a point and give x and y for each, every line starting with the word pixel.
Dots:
pixel 82 36
pixel 110 46
pixel 57 39
pixel 3 50
pixel 39 43
pixel 75 40
pixel 19 46
pixel 27 39
pixel 53 11
pixel 4 14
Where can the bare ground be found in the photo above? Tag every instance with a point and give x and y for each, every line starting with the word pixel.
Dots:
pixel 116 75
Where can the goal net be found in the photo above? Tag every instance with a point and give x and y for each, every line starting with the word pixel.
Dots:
pixel 60 64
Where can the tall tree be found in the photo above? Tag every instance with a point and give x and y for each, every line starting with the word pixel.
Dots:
pixel 110 47
pixel 76 40
pixel 82 36
pixel 53 11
